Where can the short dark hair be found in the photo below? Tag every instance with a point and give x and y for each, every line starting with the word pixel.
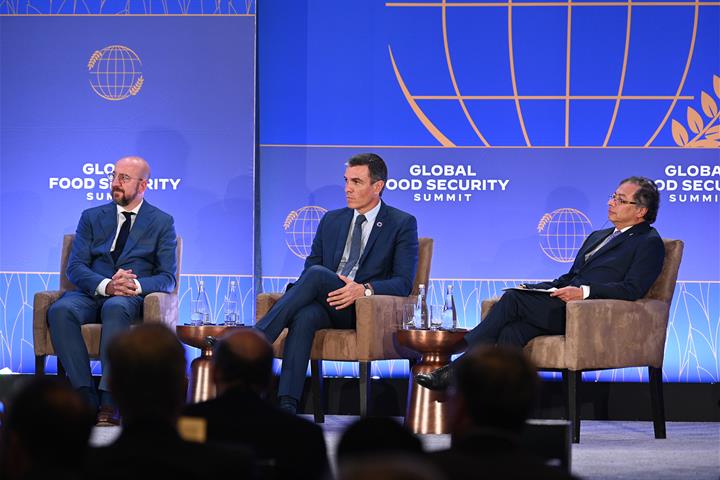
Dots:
pixel 147 372
pixel 239 358
pixel 499 386
pixel 52 422
pixel 372 436
pixel 646 196
pixel 376 166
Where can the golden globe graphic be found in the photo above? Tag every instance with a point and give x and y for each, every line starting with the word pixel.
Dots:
pixel 562 233
pixel 115 72
pixel 300 227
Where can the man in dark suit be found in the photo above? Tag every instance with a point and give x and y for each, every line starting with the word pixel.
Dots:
pixel 289 447
pixel 368 248
pixel 122 251
pixel 147 376
pixel 618 263
pixel 495 391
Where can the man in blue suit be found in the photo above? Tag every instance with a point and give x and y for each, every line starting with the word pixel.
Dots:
pixel 368 248
pixel 619 263
pixel 122 251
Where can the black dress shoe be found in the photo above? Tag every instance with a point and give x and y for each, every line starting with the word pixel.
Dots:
pixel 436 380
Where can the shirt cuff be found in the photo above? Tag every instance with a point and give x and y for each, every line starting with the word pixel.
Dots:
pixel 586 291
pixel 139 287
pixel 100 290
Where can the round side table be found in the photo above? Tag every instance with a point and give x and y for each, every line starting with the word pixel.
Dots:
pixel 202 386
pixel 427 412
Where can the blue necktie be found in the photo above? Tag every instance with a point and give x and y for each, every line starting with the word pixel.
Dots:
pixel 607 240
pixel 122 236
pixel 354 245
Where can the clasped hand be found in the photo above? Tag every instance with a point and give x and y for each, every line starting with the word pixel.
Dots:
pixel 345 296
pixel 567 294
pixel 122 284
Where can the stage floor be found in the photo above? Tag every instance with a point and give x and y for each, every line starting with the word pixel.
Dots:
pixel 608 449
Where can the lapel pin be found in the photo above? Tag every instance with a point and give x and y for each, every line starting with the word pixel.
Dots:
pixel 378 224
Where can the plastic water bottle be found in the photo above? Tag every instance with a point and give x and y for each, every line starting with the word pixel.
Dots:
pixel 202 314
pixel 420 311
pixel 232 305
pixel 449 312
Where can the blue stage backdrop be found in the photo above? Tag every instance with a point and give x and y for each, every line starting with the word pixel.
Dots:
pixel 506 127
pixel 85 83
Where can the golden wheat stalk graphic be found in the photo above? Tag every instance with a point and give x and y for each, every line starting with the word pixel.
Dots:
pixel 706 135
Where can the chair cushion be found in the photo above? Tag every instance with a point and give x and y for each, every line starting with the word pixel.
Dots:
pixel 329 344
pixel 547 351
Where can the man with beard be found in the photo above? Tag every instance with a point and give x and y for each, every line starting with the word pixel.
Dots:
pixel 122 251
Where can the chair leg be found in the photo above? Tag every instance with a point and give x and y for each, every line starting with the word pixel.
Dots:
pixel 657 401
pixel 40 364
pixel 60 369
pixel 573 379
pixel 365 368
pixel 317 390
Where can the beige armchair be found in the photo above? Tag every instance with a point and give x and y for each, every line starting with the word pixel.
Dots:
pixel 378 317
pixel 157 307
pixel 605 334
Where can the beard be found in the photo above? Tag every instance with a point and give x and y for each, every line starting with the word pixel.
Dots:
pixel 121 198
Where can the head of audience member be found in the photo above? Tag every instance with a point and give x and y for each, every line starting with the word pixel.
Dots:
pixel 365 178
pixel 244 359
pixel 389 467
pixel 494 387
pixel 129 181
pixel 377 436
pixel 46 429
pixel 634 201
pixel 147 374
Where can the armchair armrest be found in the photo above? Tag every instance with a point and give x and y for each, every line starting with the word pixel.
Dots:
pixel 41 337
pixel 486 306
pixel 615 333
pixel 264 302
pixel 378 318
pixel 161 308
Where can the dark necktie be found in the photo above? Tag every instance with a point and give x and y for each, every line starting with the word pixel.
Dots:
pixel 122 236
pixel 607 240
pixel 354 245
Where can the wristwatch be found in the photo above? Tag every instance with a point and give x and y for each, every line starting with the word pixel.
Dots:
pixel 368 289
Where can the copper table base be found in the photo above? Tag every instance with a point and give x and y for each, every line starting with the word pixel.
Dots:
pixel 201 386
pixel 427 410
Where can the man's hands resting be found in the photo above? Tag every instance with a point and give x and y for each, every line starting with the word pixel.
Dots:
pixel 122 284
pixel 345 296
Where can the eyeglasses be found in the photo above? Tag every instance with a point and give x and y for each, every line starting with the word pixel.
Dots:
pixel 614 198
pixel 122 177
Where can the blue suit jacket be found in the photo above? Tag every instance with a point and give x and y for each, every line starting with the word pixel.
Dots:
pixel 389 260
pixel 150 250
pixel 624 269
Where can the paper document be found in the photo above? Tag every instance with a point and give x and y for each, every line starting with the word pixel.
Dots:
pixel 523 289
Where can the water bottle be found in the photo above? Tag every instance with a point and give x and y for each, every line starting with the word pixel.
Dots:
pixel 420 310
pixel 232 305
pixel 449 312
pixel 202 314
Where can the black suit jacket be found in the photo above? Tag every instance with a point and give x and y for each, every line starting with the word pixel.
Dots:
pixel 154 450
pixel 239 416
pixel 488 455
pixel 624 269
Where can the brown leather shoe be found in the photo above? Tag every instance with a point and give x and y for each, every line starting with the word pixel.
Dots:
pixel 107 417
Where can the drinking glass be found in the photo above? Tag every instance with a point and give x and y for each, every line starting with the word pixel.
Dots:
pixel 436 316
pixel 408 316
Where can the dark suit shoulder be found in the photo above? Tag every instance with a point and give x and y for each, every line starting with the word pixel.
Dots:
pixel 160 215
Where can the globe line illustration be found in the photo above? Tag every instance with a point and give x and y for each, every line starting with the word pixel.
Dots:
pixel 568 98
pixel 300 227
pixel 115 72
pixel 562 233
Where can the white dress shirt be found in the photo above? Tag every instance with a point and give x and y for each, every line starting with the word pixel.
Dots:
pixel 366 229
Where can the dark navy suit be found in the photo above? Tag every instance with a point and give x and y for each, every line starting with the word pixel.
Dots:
pixel 149 252
pixel 388 262
pixel 623 269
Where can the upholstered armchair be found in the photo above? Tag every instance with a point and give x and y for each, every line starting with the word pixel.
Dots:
pixel 606 334
pixel 378 317
pixel 157 307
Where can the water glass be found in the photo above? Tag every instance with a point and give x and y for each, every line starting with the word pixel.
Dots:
pixel 408 316
pixel 436 316
pixel 195 316
pixel 230 311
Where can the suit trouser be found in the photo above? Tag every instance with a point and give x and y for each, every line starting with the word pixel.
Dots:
pixel 518 317
pixel 303 310
pixel 75 309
